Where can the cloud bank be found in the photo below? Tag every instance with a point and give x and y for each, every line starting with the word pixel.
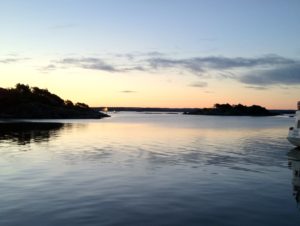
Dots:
pixel 89 63
pixel 256 72
pixel 200 64
pixel 285 75
pixel 260 71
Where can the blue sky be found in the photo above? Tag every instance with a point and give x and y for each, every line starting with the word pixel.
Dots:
pixel 47 32
pixel 234 28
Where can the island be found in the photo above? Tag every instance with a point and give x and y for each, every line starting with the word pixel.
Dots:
pixel 25 102
pixel 233 110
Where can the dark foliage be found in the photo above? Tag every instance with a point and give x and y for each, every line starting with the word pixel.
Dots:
pixel 234 110
pixel 32 102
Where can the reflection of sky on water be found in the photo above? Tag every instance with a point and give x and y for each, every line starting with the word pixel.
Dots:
pixel 186 141
pixel 152 168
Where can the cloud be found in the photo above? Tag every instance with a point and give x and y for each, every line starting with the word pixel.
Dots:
pixel 257 87
pixel 284 75
pixel 12 60
pixel 153 61
pixel 48 68
pixel 256 72
pixel 133 68
pixel 199 65
pixel 93 63
pixel 164 63
pixel 128 91
pixel 89 63
pixel 260 71
pixel 139 55
pixel 128 56
pixel 8 60
pixel 199 84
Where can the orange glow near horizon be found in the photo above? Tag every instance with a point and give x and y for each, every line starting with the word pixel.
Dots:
pixel 146 90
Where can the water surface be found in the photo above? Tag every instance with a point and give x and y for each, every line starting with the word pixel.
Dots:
pixel 149 169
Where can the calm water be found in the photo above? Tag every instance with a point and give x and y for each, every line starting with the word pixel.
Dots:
pixel 149 169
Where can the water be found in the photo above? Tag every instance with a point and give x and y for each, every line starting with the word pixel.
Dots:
pixel 148 169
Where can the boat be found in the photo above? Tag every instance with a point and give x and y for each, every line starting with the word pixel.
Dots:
pixel 294 132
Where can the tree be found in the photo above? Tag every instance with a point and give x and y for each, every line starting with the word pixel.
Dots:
pixel 69 103
pixel 21 88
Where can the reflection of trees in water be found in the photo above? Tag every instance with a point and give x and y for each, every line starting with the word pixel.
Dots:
pixel 27 132
pixel 294 165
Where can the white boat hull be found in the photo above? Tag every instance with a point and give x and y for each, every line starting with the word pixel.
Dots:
pixel 294 132
pixel 294 140
pixel 294 137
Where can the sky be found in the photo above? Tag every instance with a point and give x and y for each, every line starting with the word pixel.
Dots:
pixel 154 53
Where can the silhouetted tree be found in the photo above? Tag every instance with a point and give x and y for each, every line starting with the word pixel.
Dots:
pixel 239 109
pixel 21 88
pixel 26 102
pixel 69 103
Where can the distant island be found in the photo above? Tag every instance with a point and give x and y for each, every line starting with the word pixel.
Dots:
pixel 161 110
pixel 24 102
pixel 233 110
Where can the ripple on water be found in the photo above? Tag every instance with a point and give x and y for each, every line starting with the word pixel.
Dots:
pixel 148 170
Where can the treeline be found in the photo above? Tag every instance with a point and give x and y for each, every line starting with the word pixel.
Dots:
pixel 234 110
pixel 24 101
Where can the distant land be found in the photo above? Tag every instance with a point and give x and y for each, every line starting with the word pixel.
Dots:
pixel 180 110
pixel 145 109
pixel 233 110
pixel 24 102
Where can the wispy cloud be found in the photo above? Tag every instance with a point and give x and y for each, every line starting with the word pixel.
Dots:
pixel 286 75
pixel 48 68
pixel 139 55
pixel 257 87
pixel 12 60
pixel 134 68
pixel 128 91
pixel 199 65
pixel 260 71
pixel 94 63
pixel 89 63
pixel 257 72
pixel 186 64
pixel 199 84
